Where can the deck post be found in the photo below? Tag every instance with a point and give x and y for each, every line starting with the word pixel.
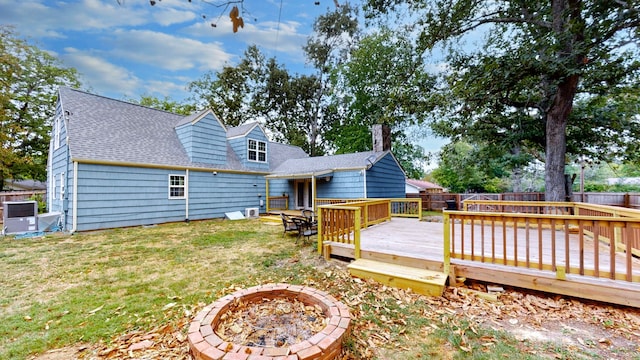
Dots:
pixel 446 242
pixel 319 219
pixel 356 233
pixel 266 195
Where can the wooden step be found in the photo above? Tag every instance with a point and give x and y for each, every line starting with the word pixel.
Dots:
pixel 273 219
pixel 421 281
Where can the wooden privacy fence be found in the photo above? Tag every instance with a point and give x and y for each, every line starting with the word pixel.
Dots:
pixel 567 238
pixel 342 222
pixel 438 201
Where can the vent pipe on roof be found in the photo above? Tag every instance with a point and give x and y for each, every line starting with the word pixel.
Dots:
pixel 381 137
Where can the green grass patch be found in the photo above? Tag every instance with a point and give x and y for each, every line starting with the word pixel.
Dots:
pixel 90 288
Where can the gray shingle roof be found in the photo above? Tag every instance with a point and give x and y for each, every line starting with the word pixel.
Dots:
pixel 326 164
pixel 109 130
pixel 240 130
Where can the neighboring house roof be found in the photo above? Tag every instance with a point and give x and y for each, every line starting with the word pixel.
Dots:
pixel 327 164
pixel 422 185
pixel 24 185
pixel 108 130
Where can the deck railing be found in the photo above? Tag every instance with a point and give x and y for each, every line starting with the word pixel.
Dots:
pixel 620 238
pixel 277 203
pixel 567 238
pixel 342 222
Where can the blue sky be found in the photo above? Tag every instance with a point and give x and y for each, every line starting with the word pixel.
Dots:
pixel 133 48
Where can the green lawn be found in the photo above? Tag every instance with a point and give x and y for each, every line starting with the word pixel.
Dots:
pixel 87 290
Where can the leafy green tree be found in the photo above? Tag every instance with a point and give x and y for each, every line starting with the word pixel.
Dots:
pixel 166 104
pixel 29 79
pixel 382 83
pixel 334 35
pixel 538 58
pixel 463 168
pixel 229 92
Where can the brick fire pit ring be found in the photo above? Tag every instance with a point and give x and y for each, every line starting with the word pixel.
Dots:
pixel 205 344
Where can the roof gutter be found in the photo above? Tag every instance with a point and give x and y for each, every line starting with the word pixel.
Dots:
pixel 167 167
pixel 308 175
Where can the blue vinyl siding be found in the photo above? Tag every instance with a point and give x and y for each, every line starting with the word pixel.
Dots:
pixel 343 185
pixel 277 187
pixel 116 196
pixel 240 147
pixel 60 165
pixel 386 179
pixel 205 141
pixel 211 196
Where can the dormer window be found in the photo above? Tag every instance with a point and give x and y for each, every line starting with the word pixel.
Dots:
pixel 257 151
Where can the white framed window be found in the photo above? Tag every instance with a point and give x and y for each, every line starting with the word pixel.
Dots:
pixel 257 151
pixel 57 124
pixel 177 187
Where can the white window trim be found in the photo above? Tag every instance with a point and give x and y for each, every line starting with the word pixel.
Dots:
pixel 57 124
pixel 257 151
pixel 62 185
pixel 183 186
pixel 54 187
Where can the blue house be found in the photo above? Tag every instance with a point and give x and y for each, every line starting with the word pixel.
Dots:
pixel 116 164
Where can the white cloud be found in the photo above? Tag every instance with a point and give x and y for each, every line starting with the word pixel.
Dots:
pixel 100 74
pixel 166 51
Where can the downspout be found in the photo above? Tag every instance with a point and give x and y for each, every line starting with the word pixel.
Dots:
pixel 313 192
pixel 186 190
pixel 266 190
pixel 75 195
pixel 364 190
pixel 65 200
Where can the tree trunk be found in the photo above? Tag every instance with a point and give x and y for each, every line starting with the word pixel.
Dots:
pixel 562 100
pixel 556 139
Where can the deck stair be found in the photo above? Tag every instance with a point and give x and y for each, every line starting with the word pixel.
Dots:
pixel 271 219
pixel 426 282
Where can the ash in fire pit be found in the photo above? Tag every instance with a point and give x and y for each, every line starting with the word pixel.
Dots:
pixel 271 321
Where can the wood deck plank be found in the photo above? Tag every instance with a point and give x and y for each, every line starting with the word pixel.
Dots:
pixel 422 281
pixel 424 240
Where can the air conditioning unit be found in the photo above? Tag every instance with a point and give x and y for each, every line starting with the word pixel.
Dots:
pixel 20 216
pixel 251 213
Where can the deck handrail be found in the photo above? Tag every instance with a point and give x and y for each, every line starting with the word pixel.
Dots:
pixel 568 209
pixel 342 222
pixel 511 234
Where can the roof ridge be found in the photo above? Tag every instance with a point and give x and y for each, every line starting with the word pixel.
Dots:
pixel 85 92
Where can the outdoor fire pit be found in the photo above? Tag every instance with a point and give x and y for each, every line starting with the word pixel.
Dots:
pixel 273 321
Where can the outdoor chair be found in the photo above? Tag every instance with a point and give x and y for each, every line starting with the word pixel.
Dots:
pixel 289 224
pixel 305 228
pixel 311 217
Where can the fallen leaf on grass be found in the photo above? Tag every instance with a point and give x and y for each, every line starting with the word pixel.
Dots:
pixel 96 310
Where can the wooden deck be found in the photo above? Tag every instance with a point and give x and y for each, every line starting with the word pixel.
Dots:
pixel 420 244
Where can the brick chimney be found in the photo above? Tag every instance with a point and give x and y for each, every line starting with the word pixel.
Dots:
pixel 381 137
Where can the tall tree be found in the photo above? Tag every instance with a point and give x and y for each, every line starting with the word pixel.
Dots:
pixel 383 82
pixel 229 92
pixel 538 56
pixel 29 79
pixel 334 35
pixel 463 167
